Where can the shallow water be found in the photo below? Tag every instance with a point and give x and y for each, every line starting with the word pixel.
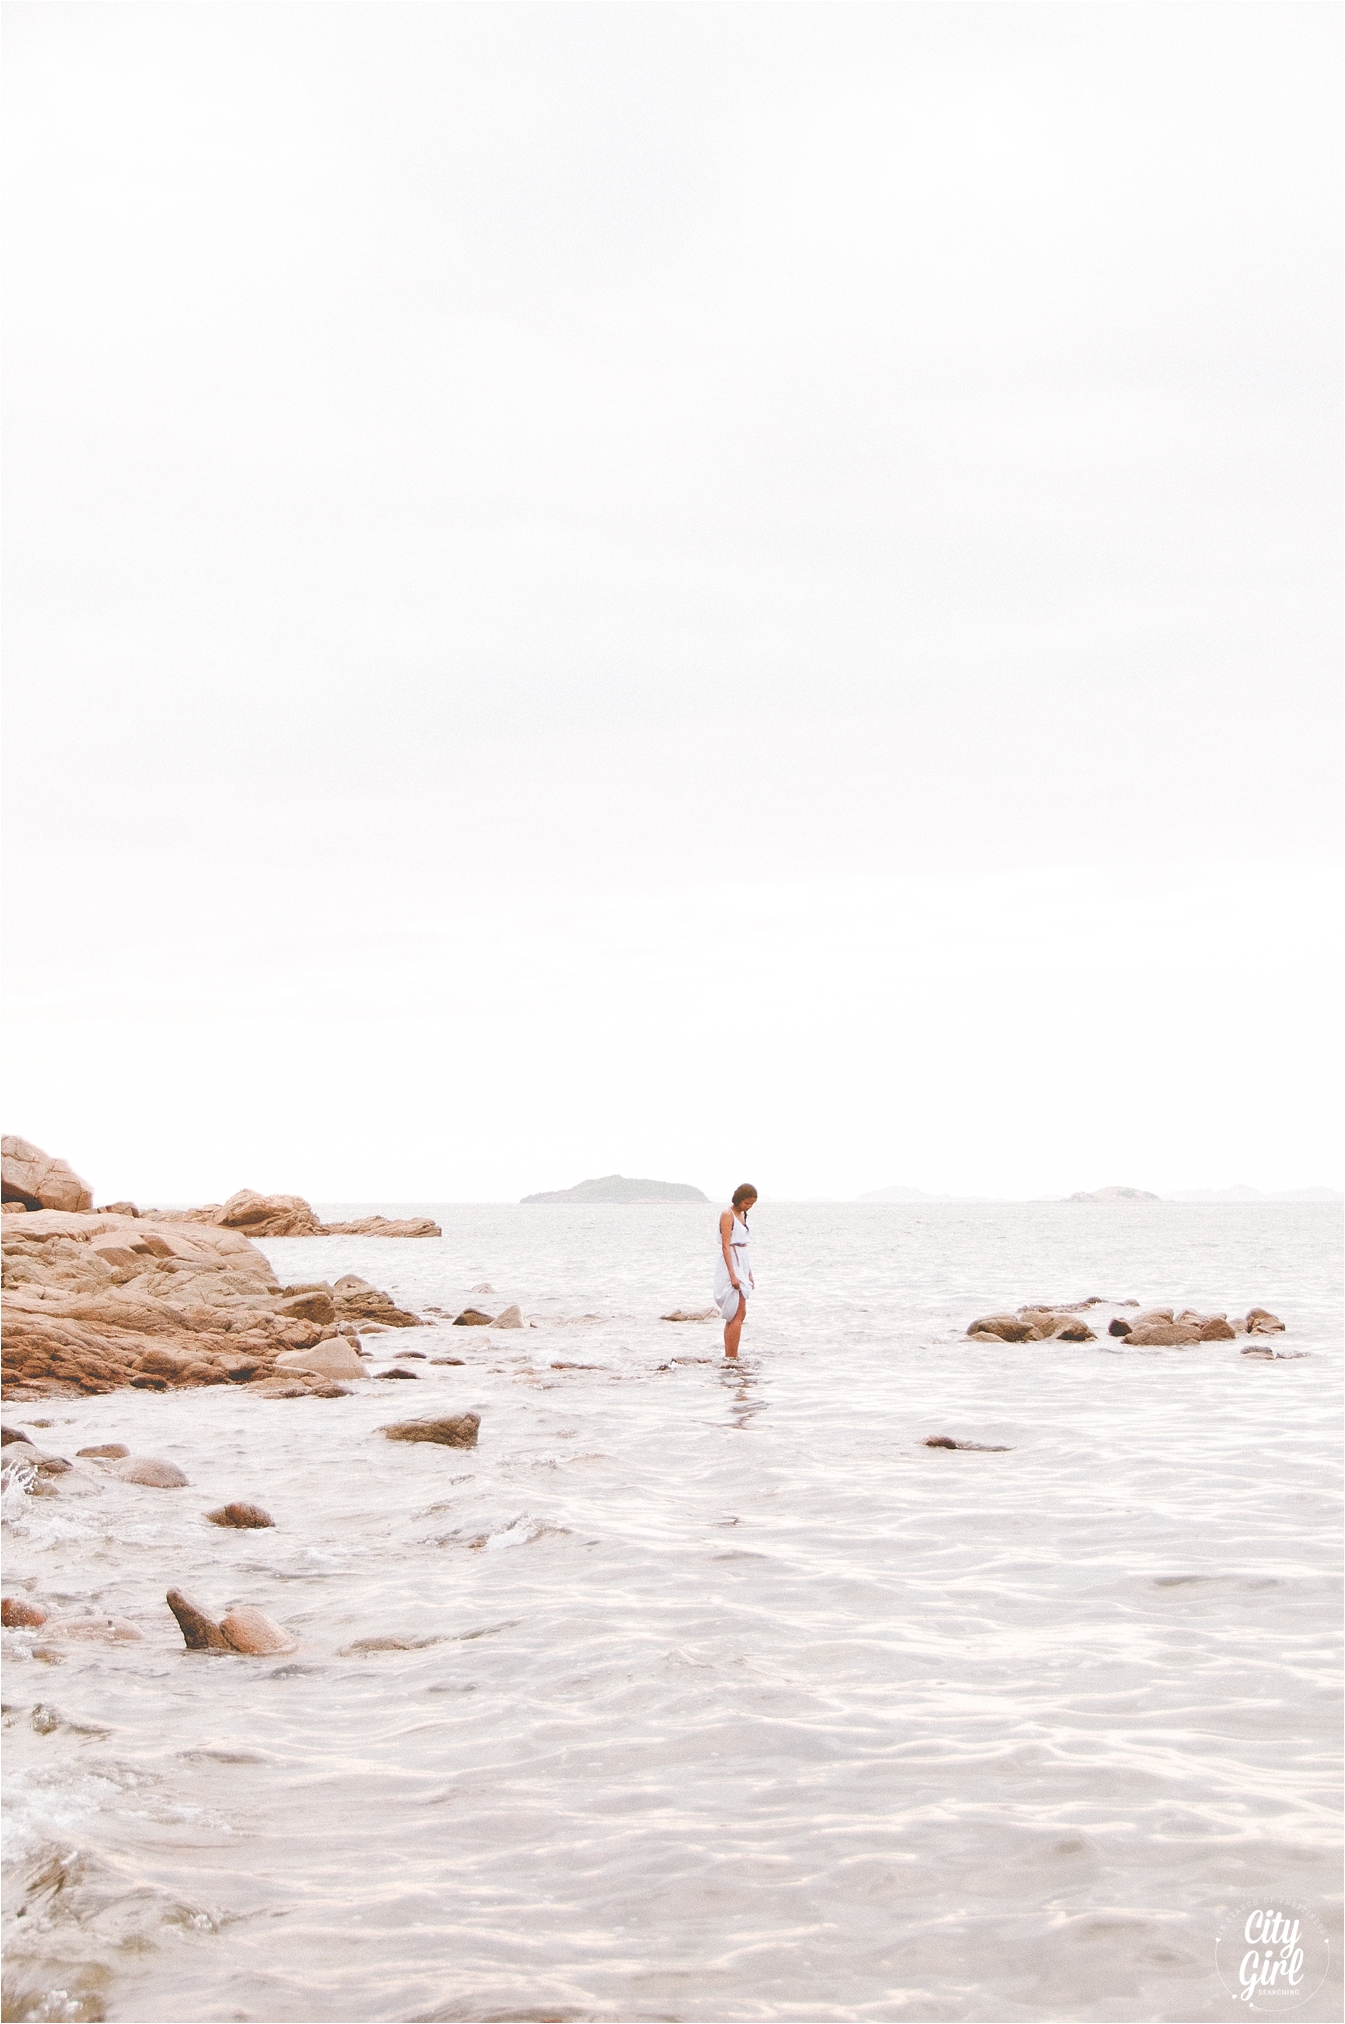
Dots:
pixel 741 1703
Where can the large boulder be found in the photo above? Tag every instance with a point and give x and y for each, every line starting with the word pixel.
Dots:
pixel 253 1631
pixel 333 1359
pixel 268 1215
pixel 37 1181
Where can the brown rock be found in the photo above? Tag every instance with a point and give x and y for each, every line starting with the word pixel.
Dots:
pixel 314 1305
pixel 1006 1327
pixel 198 1630
pixel 449 1359
pixel 12 1434
pixel 460 1431
pixel 253 1631
pixel 512 1317
pixel 154 1475
pixel 696 1314
pixel 472 1317
pixel 13 1208
pixel 332 1360
pixel 34 1178
pixel 119 1209
pixel 980 1447
pixel 1163 1335
pixel 19 1614
pixel 1118 1327
pixel 1260 1321
pixel 397 1373
pixel 381 1226
pixel 243 1517
pixel 1152 1314
pixel 268 1215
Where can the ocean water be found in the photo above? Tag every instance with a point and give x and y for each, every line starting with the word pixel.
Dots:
pixel 734 1700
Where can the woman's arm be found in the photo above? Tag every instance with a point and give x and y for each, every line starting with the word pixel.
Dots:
pixel 725 1231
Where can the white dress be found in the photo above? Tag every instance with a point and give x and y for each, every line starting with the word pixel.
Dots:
pixel 726 1294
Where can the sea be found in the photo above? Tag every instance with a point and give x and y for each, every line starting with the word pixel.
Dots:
pixel 721 1695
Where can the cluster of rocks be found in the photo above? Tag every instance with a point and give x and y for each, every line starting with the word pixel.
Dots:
pixel 95 1301
pixel 291 1216
pixel 243 1628
pixel 1157 1327
pixel 31 1179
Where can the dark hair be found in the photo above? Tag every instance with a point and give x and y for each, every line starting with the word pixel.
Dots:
pixel 746 1193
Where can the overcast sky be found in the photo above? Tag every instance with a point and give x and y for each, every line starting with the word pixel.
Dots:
pixel 693 590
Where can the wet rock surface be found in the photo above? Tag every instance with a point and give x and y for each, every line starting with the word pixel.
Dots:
pixel 457 1431
pixel 242 1517
pixel 17 1613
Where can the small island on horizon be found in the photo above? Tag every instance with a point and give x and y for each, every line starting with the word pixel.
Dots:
pixel 616 1188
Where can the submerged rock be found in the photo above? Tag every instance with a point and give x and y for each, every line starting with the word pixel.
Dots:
pixel 110 1451
pixel 691 1314
pixel 91 1630
pixel 459 1431
pixel 980 1447
pixel 243 1517
pixel 154 1475
pixel 397 1373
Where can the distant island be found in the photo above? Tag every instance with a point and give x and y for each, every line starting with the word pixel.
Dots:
pixel 1114 1195
pixel 616 1188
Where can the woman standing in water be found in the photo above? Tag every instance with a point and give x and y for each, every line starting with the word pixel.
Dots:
pixel 733 1267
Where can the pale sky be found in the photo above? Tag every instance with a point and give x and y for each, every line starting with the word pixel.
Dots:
pixel 693 590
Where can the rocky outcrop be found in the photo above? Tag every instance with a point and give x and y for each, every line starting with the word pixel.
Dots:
pixel 94 1302
pixel 32 1179
pixel 291 1216
pixel 384 1226
pixel 1033 1324
pixel 1156 1327
pixel 459 1431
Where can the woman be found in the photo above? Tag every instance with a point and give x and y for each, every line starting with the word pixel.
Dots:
pixel 733 1267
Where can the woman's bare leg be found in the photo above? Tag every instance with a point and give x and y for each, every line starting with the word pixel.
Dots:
pixel 733 1329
